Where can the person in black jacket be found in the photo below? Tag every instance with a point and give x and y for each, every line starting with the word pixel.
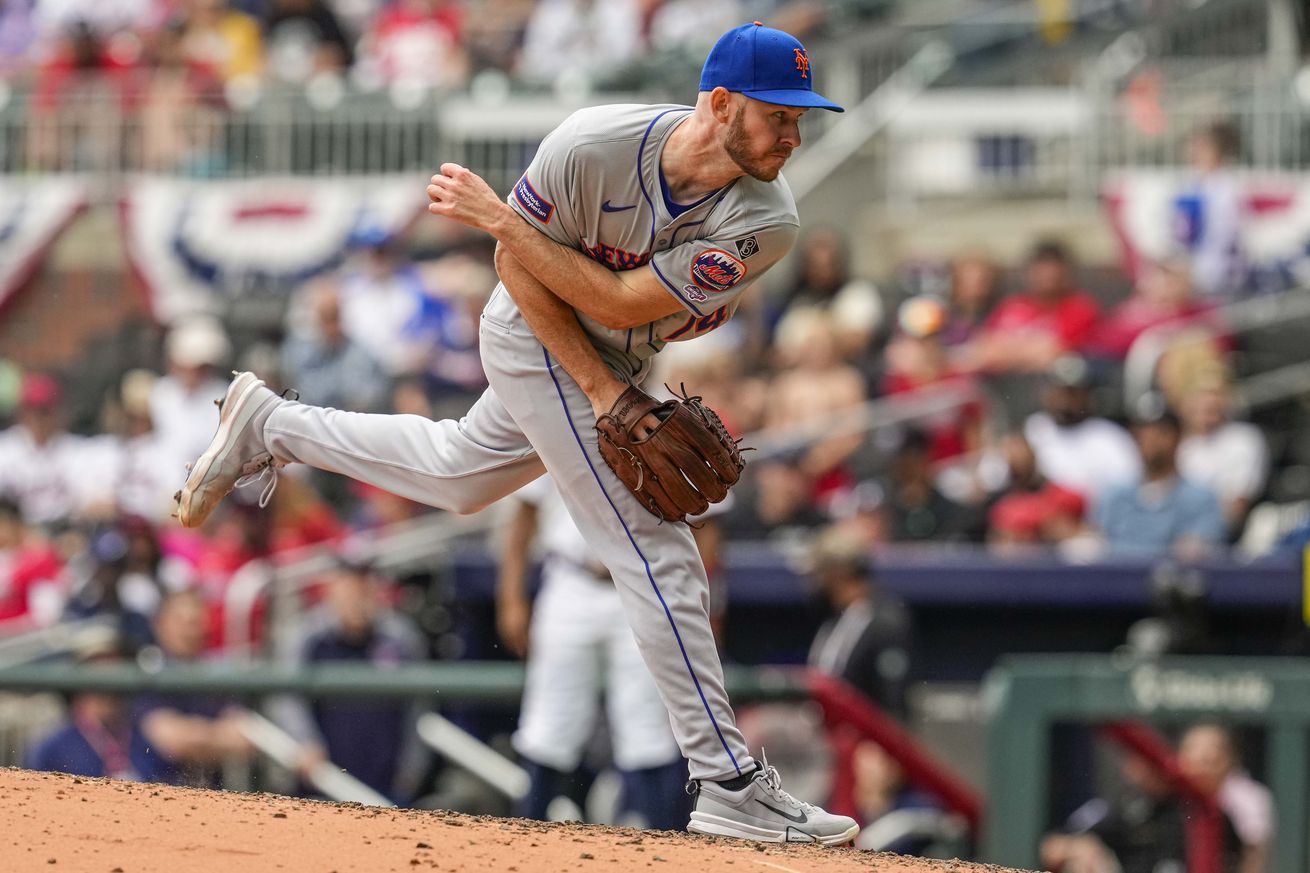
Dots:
pixel 372 740
pixel 867 640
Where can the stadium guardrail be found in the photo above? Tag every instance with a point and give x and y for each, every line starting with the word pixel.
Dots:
pixel 27 644
pixel 847 710
pixel 465 681
pixel 945 574
pixel 1058 146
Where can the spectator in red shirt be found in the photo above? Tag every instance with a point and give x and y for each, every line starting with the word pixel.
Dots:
pixel 917 360
pixel 1164 295
pixel 111 48
pixel 417 42
pixel 31 585
pixel 1032 510
pixel 1030 330
pixel 84 70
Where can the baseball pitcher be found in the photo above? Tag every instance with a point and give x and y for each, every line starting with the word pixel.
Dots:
pixel 633 227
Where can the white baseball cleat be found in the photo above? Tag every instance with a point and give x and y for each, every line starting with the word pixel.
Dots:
pixel 762 811
pixel 236 455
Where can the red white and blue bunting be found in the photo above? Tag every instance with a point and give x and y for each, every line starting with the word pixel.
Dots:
pixel 1152 211
pixel 195 243
pixel 34 211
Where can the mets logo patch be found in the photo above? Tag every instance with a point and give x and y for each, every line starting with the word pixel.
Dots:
pixel 537 206
pixel 716 270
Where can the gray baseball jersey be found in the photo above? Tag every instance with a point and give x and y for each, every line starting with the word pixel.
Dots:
pixel 596 185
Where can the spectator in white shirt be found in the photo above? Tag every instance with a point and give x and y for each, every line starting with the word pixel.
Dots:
pixel 386 308
pixel 130 477
pixel 1208 214
pixel 692 24
pixel 103 17
pixel 182 402
pixel 1231 457
pixel 1075 449
pixel 41 464
pixel 580 36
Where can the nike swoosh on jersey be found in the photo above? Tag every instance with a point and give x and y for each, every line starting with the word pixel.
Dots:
pixel 605 207
pixel 799 819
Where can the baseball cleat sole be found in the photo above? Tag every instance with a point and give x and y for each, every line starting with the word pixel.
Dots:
pixel 233 415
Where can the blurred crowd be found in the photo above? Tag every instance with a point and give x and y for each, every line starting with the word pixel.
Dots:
pixel 963 402
pixel 83 513
pixel 422 44
pixel 158 79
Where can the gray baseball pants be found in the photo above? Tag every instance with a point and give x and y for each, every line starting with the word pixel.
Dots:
pixel 534 417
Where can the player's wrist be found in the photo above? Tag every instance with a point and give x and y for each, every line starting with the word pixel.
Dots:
pixel 603 393
pixel 501 223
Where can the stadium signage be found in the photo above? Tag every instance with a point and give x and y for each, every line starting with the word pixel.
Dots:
pixel 1153 688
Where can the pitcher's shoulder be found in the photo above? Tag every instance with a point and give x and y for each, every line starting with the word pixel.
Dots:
pixel 615 121
pixel 753 202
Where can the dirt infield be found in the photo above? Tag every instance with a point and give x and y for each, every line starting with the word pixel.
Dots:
pixel 60 824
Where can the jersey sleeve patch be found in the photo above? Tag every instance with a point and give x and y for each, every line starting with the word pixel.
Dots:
pixel 715 270
pixel 747 246
pixel 539 207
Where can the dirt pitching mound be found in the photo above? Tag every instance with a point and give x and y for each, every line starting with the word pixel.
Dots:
pixel 62 824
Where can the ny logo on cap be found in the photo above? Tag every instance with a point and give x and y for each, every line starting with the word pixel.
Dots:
pixel 802 62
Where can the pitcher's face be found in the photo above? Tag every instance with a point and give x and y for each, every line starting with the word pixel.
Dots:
pixel 762 136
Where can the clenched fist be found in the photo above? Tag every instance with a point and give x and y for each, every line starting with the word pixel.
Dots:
pixel 461 194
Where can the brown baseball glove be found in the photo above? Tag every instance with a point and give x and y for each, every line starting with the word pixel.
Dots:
pixel 679 467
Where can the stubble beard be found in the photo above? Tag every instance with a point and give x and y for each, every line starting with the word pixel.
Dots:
pixel 737 146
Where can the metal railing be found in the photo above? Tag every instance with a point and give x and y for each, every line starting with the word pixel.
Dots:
pixel 404 544
pixel 1062 150
pixel 463 681
pixel 37 644
pixel 97 127
pixel 1062 141
pixel 865 120
pixel 1234 319
pixel 114 126
pixel 430 682
pixel 467 751
pixel 894 411
pixel 1146 121
pixel 283 749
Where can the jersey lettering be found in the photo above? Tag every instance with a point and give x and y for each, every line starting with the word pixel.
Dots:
pixel 615 258
pixel 702 324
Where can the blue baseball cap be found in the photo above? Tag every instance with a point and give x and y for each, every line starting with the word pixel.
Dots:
pixel 765 64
